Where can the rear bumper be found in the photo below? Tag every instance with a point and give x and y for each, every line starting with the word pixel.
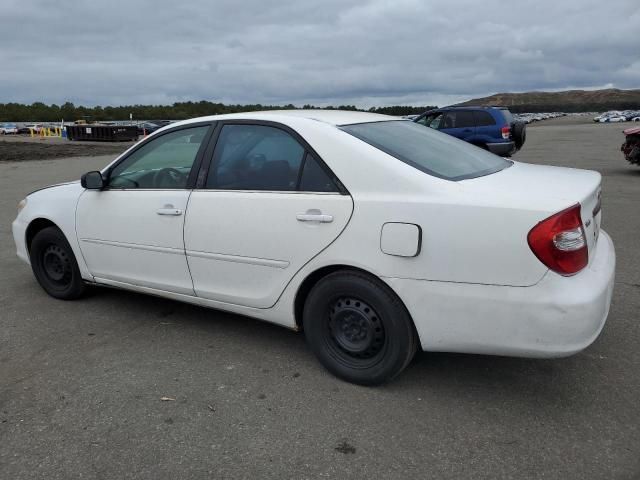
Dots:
pixel 504 149
pixel 559 316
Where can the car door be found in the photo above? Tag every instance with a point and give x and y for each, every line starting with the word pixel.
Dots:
pixel 486 129
pixel 132 231
pixel 267 207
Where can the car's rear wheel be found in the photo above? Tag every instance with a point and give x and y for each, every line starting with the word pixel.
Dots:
pixel 358 328
pixel 54 265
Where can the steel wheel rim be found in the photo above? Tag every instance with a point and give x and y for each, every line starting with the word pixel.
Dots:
pixel 56 265
pixel 355 332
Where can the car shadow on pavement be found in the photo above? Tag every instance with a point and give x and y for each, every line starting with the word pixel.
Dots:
pixel 522 380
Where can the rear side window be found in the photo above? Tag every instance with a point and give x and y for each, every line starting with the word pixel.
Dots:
pixel 314 178
pixel 483 119
pixel 458 119
pixel 255 157
pixel 261 157
pixel 429 151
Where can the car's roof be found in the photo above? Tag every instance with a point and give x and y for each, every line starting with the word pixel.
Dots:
pixel 332 117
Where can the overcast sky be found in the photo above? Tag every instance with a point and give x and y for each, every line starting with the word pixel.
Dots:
pixel 368 53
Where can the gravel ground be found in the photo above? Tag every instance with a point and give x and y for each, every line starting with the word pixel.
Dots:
pixel 82 382
pixel 19 148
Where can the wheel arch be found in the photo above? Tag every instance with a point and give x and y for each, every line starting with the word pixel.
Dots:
pixel 36 225
pixel 314 277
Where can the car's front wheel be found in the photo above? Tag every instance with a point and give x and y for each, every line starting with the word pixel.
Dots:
pixel 54 265
pixel 358 328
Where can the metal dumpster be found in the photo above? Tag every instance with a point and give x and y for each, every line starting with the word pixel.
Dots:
pixel 102 133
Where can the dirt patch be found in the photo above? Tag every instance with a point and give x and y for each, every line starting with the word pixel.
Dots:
pixel 16 151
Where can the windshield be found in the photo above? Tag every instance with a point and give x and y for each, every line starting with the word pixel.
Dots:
pixel 429 151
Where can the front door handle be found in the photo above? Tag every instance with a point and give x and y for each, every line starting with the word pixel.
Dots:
pixel 169 210
pixel 314 217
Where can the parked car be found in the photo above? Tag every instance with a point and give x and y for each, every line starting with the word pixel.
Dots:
pixel 28 127
pixel 374 235
pixel 8 128
pixel 631 146
pixel 146 128
pixel 491 128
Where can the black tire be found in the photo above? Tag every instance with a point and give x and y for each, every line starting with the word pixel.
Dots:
pixel 54 265
pixel 358 328
pixel 519 134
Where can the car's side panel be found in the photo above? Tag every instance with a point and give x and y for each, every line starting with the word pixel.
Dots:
pixel 135 236
pixel 557 317
pixel 244 247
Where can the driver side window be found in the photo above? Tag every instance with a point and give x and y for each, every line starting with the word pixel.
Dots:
pixel 163 163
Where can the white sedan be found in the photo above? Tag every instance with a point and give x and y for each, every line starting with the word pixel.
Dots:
pixel 374 235
pixel 8 128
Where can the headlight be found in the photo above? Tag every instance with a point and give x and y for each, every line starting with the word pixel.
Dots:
pixel 22 204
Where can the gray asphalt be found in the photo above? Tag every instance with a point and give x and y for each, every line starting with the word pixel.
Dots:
pixel 81 383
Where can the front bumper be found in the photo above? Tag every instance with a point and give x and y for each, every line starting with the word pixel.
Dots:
pixel 559 316
pixel 19 230
pixel 504 149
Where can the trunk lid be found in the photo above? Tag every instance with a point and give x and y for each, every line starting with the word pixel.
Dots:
pixel 545 189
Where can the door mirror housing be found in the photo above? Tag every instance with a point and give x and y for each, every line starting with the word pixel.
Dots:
pixel 92 181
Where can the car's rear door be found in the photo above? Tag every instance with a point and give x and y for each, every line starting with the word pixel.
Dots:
pixel 267 206
pixel 458 123
pixel 486 128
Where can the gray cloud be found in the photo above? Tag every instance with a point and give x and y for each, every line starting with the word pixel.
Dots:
pixel 323 52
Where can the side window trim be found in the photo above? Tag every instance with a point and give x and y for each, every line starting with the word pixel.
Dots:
pixel 196 163
pixel 207 162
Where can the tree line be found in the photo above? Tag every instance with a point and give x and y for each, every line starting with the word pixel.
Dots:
pixel 40 112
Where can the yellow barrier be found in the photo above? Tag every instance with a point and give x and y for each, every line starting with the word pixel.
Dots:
pixel 46 132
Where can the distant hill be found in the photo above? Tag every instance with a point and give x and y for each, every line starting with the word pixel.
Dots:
pixel 567 101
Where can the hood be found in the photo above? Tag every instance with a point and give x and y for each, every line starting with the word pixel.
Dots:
pixel 54 185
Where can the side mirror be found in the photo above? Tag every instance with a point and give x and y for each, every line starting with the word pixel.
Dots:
pixel 92 181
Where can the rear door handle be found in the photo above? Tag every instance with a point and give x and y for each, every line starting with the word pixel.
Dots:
pixel 314 217
pixel 169 210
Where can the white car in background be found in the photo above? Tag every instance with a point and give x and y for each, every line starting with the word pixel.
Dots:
pixel 35 127
pixel 8 129
pixel 374 235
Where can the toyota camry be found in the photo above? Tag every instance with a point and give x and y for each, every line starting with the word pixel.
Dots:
pixel 372 234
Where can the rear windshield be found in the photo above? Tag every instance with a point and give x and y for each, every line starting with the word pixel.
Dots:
pixel 429 151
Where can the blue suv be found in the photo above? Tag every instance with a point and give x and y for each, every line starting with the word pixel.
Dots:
pixel 491 128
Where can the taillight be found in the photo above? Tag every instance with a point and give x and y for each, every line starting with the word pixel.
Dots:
pixel 506 132
pixel 560 242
